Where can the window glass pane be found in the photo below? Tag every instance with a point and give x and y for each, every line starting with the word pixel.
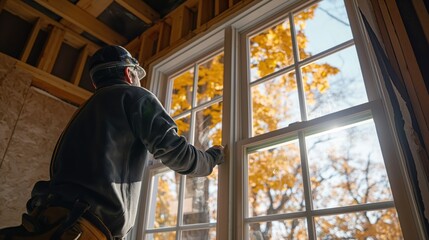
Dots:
pixel 333 83
pixel 200 201
pixel 320 27
pixel 275 104
pixel 161 236
pixel 209 234
pixel 210 79
pixel 383 224
pixel 270 50
pixel 286 229
pixel 183 125
pixel 181 98
pixel 275 180
pixel 208 127
pixel 165 186
pixel 347 168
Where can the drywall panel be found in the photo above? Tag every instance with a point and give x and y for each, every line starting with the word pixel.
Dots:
pixel 14 85
pixel 28 155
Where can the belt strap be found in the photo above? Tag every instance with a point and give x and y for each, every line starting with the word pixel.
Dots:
pixel 79 208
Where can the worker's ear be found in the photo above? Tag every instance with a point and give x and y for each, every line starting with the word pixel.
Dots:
pixel 128 75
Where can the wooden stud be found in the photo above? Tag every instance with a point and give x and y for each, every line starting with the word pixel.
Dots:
pixel 423 16
pixel 54 85
pixel 220 6
pixel 181 24
pixel 205 12
pixel 140 9
pixel 164 36
pixel 29 14
pixel 31 40
pixel 84 20
pixel 51 49
pixel 80 65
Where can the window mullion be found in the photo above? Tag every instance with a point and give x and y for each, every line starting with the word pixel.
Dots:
pixel 299 82
pixel 180 206
pixel 306 185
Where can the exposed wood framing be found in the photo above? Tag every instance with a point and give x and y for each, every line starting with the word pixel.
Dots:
pixel 84 20
pixel 164 35
pixel 31 40
pixel 55 85
pixel 401 55
pixel 189 19
pixel 93 7
pixel 181 23
pixel 140 9
pixel 51 49
pixel 80 64
pixel 220 6
pixel 31 15
pixel 423 16
pixel 205 12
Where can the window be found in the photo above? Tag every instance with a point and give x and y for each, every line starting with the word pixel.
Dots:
pixel 183 207
pixel 312 154
pixel 312 163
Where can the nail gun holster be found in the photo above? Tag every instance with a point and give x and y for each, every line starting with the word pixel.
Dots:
pixel 56 223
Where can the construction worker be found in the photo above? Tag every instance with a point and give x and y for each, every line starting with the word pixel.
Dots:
pixel 97 166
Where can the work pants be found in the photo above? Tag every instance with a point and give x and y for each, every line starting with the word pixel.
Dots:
pixel 56 223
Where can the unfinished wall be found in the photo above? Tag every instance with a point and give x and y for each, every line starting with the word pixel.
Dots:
pixel 30 124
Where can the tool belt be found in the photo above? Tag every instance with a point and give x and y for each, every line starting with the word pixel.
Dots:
pixel 58 223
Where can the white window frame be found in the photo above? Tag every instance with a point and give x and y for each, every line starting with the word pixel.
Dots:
pixel 375 108
pixel 230 34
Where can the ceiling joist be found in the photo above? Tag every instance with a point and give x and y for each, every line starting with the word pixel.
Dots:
pixel 140 9
pixel 83 20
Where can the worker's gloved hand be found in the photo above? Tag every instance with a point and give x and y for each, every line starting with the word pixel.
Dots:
pixel 218 155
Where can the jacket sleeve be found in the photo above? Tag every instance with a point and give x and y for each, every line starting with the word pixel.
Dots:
pixel 158 132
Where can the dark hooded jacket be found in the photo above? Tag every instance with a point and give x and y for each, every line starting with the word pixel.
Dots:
pixel 100 156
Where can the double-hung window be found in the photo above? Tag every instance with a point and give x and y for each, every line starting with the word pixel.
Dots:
pixel 184 207
pixel 293 89
pixel 314 157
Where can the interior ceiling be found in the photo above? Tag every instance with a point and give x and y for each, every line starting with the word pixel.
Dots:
pixel 128 18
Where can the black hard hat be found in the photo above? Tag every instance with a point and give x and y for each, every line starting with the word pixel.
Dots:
pixel 111 57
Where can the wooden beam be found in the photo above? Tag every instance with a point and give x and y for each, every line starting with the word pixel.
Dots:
pixel 29 14
pixel 51 49
pixel 181 24
pixel 80 65
pixel 220 6
pixel 84 20
pixel 164 36
pixel 31 40
pixel 93 7
pixel 205 12
pixel 54 85
pixel 140 9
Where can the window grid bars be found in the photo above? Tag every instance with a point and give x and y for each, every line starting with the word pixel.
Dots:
pixel 304 62
pixel 298 76
pixel 180 227
pixel 307 186
pixel 199 226
pixel 323 212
